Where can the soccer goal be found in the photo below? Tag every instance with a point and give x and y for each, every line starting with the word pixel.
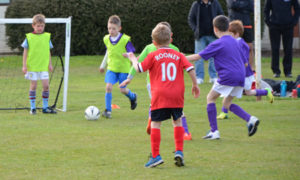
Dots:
pixel 14 88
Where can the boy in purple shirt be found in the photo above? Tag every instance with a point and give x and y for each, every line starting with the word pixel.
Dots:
pixel 231 71
pixel 237 30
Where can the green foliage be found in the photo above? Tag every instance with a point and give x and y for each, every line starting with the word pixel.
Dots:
pixel 89 21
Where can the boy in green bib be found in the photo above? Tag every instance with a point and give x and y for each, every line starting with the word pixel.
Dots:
pixel 37 62
pixel 118 66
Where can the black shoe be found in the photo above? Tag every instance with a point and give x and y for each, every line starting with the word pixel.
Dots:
pixel 289 75
pixel 276 75
pixel 33 111
pixel 49 110
pixel 106 114
pixel 133 102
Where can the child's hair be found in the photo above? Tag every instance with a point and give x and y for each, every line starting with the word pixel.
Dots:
pixel 221 22
pixel 166 24
pixel 114 19
pixel 236 26
pixel 38 19
pixel 161 34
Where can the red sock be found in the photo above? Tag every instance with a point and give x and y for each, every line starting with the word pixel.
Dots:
pixel 155 141
pixel 178 137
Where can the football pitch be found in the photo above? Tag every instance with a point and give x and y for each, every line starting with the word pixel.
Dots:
pixel 67 146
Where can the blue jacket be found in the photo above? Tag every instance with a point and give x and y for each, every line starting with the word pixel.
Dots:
pixel 240 10
pixel 279 12
pixel 194 15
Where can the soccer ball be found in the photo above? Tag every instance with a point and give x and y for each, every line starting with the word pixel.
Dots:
pixel 92 113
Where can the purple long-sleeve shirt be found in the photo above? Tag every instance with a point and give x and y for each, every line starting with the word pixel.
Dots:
pixel 129 45
pixel 245 50
pixel 228 62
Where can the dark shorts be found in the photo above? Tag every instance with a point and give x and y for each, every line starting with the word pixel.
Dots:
pixel 248 35
pixel 166 113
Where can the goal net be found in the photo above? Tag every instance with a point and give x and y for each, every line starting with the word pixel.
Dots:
pixel 14 88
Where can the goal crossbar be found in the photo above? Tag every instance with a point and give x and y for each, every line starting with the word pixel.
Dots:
pixel 66 21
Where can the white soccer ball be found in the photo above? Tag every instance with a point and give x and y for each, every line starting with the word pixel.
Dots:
pixel 92 113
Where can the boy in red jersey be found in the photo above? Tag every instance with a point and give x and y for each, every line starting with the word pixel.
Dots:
pixel 167 90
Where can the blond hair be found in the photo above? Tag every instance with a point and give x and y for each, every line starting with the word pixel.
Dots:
pixel 38 19
pixel 161 34
pixel 114 19
pixel 236 26
pixel 166 24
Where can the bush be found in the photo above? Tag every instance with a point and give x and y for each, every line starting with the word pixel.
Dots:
pixel 89 22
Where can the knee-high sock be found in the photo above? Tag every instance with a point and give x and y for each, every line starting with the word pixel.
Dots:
pixel 237 110
pixel 45 95
pixel 155 141
pixel 212 116
pixel 184 125
pixel 32 95
pixel 261 92
pixel 178 137
pixel 224 110
pixel 130 95
pixel 108 99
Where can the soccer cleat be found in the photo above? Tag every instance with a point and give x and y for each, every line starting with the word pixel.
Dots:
pixel 179 161
pixel 200 81
pixel 187 136
pixel 133 102
pixel 33 112
pixel 212 135
pixel 106 114
pixel 252 125
pixel 276 75
pixel 212 80
pixel 153 162
pixel 49 110
pixel 270 95
pixel 222 115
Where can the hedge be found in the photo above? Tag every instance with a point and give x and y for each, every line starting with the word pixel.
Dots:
pixel 89 21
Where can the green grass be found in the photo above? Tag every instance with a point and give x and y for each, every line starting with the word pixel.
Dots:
pixel 66 146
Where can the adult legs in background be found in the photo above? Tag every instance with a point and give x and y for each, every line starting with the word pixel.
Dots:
pixel 275 33
pixel 287 41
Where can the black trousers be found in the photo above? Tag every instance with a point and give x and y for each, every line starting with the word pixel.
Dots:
pixel 286 32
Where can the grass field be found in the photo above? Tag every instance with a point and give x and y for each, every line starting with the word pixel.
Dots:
pixel 66 146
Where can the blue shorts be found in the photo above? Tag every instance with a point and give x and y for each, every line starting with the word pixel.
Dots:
pixel 113 77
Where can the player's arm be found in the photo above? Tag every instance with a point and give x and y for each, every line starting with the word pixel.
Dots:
pixel 25 53
pixel 195 88
pixel 193 57
pixel 50 63
pixel 134 61
pixel 104 63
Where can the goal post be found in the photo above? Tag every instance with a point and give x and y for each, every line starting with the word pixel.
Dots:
pixel 257 41
pixel 67 22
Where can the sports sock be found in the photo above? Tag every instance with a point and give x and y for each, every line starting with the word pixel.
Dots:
pixel 108 99
pixel 184 125
pixel 45 96
pixel 261 92
pixel 212 116
pixel 224 110
pixel 237 110
pixel 130 95
pixel 32 99
pixel 178 137
pixel 155 141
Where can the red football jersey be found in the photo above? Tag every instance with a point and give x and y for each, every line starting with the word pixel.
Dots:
pixel 166 77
